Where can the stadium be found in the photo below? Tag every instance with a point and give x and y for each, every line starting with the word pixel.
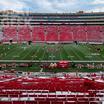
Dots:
pixel 51 58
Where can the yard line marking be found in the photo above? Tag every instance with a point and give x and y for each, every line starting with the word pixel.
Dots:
pixel 36 52
pixel 10 52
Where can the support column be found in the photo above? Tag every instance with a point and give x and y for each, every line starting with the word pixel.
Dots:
pixel 45 34
pixel 31 32
pixel 58 34
pixel 17 33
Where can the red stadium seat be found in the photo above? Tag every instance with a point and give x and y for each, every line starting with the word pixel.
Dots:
pixel 70 102
pixel 24 33
pixel 57 102
pixel 18 102
pixel 31 102
pixel 54 33
pixel 38 33
pixel 51 33
pixel 50 92
pixel 5 102
pixel 44 102
pixel 10 33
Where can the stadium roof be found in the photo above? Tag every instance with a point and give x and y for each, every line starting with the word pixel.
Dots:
pixel 53 6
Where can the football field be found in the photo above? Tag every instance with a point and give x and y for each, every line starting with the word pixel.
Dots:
pixel 38 51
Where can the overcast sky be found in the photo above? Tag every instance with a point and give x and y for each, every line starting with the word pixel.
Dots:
pixel 58 6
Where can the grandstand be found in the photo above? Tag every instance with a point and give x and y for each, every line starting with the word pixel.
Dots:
pixel 55 89
pixel 38 50
pixel 23 27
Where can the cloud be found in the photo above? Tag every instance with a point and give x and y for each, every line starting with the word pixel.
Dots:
pixel 12 5
pixel 96 9
pixel 98 2
pixel 97 6
pixel 39 5
pixel 53 5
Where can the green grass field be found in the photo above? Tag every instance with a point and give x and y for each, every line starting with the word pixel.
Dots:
pixel 52 52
